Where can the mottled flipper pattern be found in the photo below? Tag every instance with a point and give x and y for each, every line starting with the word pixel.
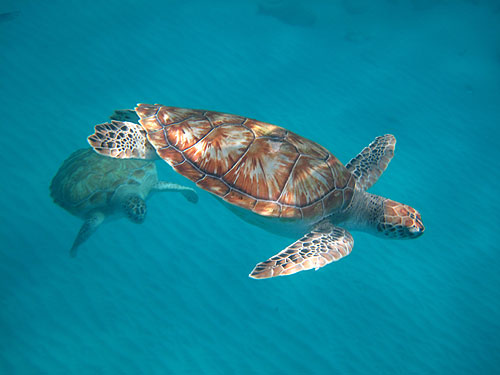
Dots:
pixel 372 161
pixel 187 192
pixel 326 243
pixel 122 140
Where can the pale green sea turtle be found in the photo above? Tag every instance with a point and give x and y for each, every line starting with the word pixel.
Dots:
pixel 94 187
pixel 271 177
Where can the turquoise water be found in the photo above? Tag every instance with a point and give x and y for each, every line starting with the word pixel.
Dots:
pixel 172 296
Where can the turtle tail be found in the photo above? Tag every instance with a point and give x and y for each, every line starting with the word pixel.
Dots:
pixel 122 140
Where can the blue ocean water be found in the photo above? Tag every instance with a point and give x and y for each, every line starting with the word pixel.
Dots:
pixel 172 296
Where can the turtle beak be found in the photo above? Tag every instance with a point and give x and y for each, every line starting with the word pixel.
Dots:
pixel 417 228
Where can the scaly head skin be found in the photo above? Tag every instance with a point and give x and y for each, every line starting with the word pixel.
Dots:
pixel 400 221
pixel 135 209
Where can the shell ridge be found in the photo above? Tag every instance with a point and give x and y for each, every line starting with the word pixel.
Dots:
pixel 268 185
pixel 234 188
pixel 344 206
pixel 164 126
pixel 242 155
pixel 213 127
pixel 186 160
pixel 323 206
pixel 156 114
pixel 175 122
pixel 141 105
pixel 202 138
pixel 273 138
pixel 246 127
pixel 220 149
pixel 313 202
pixel 330 167
pixel 288 179
pixel 208 119
pixel 182 162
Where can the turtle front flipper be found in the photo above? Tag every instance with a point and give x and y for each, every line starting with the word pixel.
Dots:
pixel 125 115
pixel 135 208
pixel 88 227
pixel 326 243
pixel 189 194
pixel 372 161
pixel 122 140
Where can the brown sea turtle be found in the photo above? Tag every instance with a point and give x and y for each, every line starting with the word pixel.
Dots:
pixel 271 177
pixel 94 187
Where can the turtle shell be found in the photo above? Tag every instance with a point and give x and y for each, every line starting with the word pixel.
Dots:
pixel 87 181
pixel 258 166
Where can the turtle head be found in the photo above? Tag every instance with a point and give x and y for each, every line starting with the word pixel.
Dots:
pixel 135 209
pixel 400 221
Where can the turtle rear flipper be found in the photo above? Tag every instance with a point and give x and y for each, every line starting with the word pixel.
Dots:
pixel 372 161
pixel 187 192
pixel 326 243
pixel 125 115
pixel 122 140
pixel 89 226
